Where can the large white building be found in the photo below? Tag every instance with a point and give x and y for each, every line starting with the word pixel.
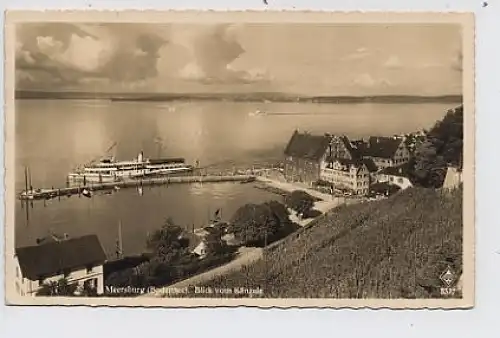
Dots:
pixel 78 260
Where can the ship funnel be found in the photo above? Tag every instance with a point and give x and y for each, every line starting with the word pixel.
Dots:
pixel 140 157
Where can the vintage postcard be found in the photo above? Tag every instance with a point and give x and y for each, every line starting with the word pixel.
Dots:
pixel 266 159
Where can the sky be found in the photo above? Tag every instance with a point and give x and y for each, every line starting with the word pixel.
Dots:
pixel 306 59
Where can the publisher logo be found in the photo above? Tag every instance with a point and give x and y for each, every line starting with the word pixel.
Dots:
pixel 448 277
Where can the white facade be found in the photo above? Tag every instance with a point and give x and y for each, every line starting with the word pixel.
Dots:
pixel 352 177
pixel 201 249
pixel 92 275
pixel 453 178
pixel 401 181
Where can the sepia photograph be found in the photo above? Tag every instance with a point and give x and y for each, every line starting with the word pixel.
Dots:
pixel 263 159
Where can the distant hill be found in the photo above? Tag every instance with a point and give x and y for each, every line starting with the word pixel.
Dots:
pixel 235 97
pixel 395 248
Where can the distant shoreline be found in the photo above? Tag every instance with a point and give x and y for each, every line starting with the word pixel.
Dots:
pixel 236 97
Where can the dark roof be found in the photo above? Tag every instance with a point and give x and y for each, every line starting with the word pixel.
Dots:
pixel 401 170
pixel 53 258
pixel 383 147
pixel 352 150
pixel 383 187
pixel 370 165
pixel 307 146
pixel 345 161
pixel 166 160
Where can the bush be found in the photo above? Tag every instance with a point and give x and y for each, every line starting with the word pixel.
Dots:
pixel 260 224
pixel 312 213
pixel 60 288
pixel 300 201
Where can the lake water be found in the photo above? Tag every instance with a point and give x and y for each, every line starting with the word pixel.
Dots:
pixel 55 136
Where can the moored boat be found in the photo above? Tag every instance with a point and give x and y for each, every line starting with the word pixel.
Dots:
pixel 110 170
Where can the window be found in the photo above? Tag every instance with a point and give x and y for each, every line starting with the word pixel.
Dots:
pixel 40 281
pixel 17 272
pixel 89 269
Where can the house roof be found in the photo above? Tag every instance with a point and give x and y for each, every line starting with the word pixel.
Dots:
pixel 307 146
pixel 359 147
pixel 55 257
pixel 167 160
pixel 370 165
pixel 355 153
pixel 383 187
pixel 401 170
pixel 383 147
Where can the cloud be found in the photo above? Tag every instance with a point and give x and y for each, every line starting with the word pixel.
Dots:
pixel 192 71
pixel 72 54
pixel 23 56
pixel 393 62
pixel 212 53
pixel 85 53
pixel 82 53
pixel 358 54
pixel 62 55
pixel 368 81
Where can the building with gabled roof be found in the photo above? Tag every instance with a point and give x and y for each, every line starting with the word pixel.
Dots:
pixel 386 151
pixel 350 175
pixel 78 260
pixel 303 156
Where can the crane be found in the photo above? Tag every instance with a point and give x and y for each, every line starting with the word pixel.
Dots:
pixel 106 152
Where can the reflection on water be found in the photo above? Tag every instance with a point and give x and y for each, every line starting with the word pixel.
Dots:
pixel 55 136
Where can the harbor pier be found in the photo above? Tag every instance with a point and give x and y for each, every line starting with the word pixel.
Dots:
pixel 38 194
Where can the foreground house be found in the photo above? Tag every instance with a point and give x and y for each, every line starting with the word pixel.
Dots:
pixel 79 260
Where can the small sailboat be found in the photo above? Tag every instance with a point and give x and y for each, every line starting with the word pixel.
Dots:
pixel 258 112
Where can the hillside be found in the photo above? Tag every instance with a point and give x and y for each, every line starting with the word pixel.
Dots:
pixel 395 248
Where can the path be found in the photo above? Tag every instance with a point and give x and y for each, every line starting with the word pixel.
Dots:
pixel 246 256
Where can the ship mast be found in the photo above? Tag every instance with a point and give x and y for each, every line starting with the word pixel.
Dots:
pixel 119 243
pixel 26 178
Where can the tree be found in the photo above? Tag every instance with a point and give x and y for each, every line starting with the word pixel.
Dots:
pixel 168 243
pixel 58 288
pixel 442 147
pixel 215 244
pixel 260 224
